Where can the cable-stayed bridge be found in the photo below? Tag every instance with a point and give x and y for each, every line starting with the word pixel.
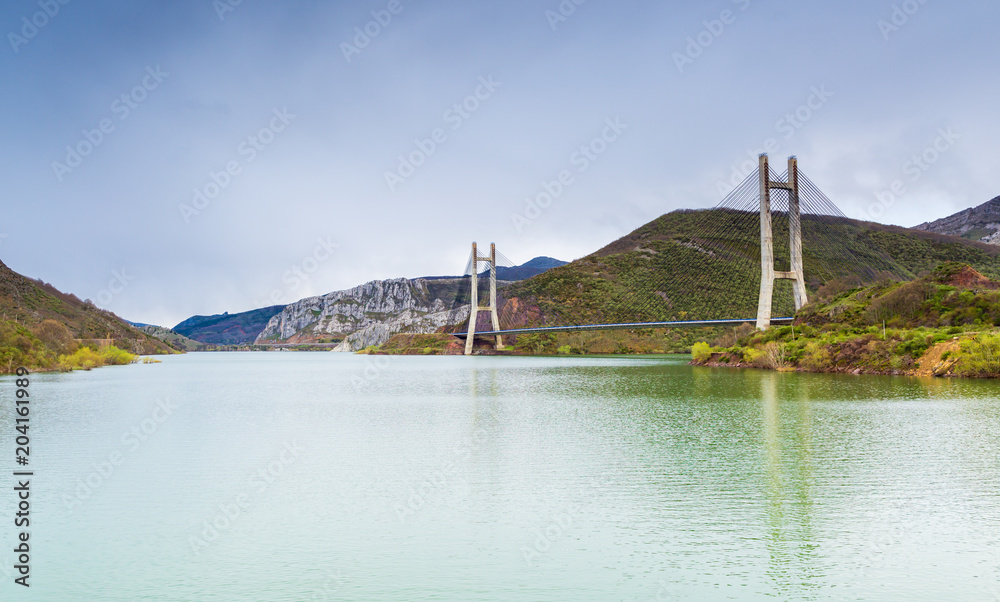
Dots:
pixel 756 255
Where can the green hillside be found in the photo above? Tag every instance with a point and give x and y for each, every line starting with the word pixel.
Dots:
pixel 43 328
pixel 946 323
pixel 705 265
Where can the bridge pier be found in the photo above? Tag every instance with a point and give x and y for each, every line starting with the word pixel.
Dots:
pixel 474 308
pixel 767 273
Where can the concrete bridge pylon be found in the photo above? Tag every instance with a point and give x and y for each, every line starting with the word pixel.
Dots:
pixel 767 273
pixel 474 308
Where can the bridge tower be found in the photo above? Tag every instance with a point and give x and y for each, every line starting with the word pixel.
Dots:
pixel 474 302
pixel 767 273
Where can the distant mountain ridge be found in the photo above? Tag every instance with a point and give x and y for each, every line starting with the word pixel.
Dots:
pixel 524 271
pixel 372 313
pixel 396 305
pixel 228 329
pixel 980 223
pixel 528 269
pixel 172 338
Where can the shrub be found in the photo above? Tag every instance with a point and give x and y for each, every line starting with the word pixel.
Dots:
pixel 837 287
pixel 83 358
pixel 55 336
pixel 86 358
pixel 751 356
pixel 774 356
pixel 817 358
pixel 535 343
pixel 114 356
pixel 903 302
pixel 701 352
pixel 980 357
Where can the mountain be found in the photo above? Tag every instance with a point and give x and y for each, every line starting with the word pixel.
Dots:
pixel 684 265
pixel 705 265
pixel 172 338
pixel 524 271
pixel 977 223
pixel 38 323
pixel 528 269
pixel 228 329
pixel 369 314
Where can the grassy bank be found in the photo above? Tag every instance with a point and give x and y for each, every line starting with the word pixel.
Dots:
pixel 945 324
pixel 610 342
pixel 49 346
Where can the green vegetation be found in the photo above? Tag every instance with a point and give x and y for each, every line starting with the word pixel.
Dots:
pixel 38 324
pixel 418 344
pixel 50 346
pixel 944 323
pixel 701 352
pixel 978 356
pixel 86 358
pixel 617 342
pixel 674 268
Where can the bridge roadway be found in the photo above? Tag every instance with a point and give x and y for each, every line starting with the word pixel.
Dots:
pixel 629 326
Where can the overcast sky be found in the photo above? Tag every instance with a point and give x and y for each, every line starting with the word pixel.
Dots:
pixel 175 158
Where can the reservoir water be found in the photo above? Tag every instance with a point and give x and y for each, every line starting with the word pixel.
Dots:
pixel 322 476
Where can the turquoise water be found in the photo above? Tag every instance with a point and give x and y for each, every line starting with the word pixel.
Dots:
pixel 322 476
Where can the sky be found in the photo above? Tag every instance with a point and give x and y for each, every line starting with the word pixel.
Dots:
pixel 173 158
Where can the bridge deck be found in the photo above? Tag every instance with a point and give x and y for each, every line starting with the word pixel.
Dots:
pixel 629 326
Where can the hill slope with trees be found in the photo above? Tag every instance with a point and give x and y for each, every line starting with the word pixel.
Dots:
pixel 42 328
pixel 946 324
pixel 676 268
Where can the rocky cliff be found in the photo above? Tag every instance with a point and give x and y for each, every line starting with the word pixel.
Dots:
pixel 371 313
pixel 977 223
